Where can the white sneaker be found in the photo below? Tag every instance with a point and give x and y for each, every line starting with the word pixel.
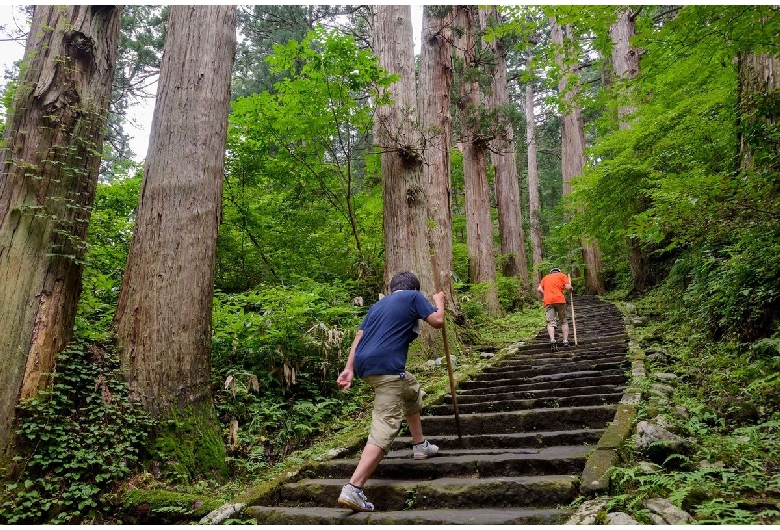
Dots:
pixel 424 450
pixel 354 499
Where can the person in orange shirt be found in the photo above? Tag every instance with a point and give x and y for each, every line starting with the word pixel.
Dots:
pixel 552 288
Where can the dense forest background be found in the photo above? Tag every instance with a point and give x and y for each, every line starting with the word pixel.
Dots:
pixel 644 144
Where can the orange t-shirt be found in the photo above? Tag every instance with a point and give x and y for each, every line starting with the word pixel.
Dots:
pixel 553 285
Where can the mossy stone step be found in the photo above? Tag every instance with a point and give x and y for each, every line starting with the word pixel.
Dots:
pixel 485 516
pixel 593 417
pixel 506 405
pixel 571 379
pixel 489 395
pixel 539 439
pixel 559 460
pixel 454 493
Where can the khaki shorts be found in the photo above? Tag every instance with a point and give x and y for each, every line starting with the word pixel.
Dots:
pixel 394 399
pixel 556 314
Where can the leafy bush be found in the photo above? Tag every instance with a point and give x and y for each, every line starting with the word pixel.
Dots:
pixel 84 436
pixel 276 355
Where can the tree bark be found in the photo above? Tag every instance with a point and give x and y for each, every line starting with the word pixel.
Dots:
pixel 758 92
pixel 400 141
pixel 573 152
pixel 50 163
pixel 534 203
pixel 163 317
pixel 479 226
pixel 625 64
pixel 434 101
pixel 502 154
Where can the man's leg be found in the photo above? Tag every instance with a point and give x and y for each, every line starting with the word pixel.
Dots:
pixel 565 331
pixel 552 321
pixel 369 460
pixel 415 428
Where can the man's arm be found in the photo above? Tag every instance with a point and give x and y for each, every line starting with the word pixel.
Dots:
pixel 348 374
pixel 436 319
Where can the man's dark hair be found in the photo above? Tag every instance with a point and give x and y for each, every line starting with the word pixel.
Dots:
pixel 404 280
pixel 554 270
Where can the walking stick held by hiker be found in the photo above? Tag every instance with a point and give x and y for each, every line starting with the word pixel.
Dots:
pixel 573 322
pixel 437 283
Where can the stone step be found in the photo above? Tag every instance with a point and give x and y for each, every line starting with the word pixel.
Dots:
pixel 542 346
pixel 265 515
pixel 573 379
pixel 547 419
pixel 557 460
pixel 519 374
pixel 526 404
pixel 561 355
pixel 545 491
pixel 403 444
pixel 488 395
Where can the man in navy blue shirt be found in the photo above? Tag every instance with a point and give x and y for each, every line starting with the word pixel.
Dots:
pixel 378 356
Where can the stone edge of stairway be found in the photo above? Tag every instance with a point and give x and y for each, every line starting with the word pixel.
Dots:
pixel 598 468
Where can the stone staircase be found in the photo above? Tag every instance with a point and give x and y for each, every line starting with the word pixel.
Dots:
pixel 527 426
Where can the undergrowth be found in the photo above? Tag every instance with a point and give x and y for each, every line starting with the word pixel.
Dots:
pixel 726 404
pixel 78 441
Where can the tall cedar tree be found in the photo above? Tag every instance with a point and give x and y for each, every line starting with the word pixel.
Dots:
pixel 502 154
pixel 573 148
pixel 434 101
pixel 163 317
pixel 474 144
pixel 50 164
pixel 625 64
pixel 534 204
pixel 400 142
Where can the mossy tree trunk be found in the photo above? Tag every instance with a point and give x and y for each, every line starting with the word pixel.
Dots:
pixel 50 163
pixel 534 203
pixel 758 112
pixel 625 64
pixel 398 135
pixel 502 153
pixel 163 317
pixel 434 102
pixel 573 146
pixel 474 144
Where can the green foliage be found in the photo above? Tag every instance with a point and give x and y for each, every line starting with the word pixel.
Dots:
pixel 276 354
pixel 730 395
pixel 295 166
pixel 108 239
pixel 733 283
pixel 83 436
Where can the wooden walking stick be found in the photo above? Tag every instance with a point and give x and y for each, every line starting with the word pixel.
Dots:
pixel 573 322
pixel 437 283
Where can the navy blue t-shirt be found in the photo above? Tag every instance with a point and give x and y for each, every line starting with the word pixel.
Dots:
pixel 389 328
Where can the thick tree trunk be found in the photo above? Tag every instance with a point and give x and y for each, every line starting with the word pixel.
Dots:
pixel 479 226
pixel 163 317
pixel 625 58
pixel 758 93
pixel 625 64
pixel 573 155
pixel 405 205
pixel 434 102
pixel 534 202
pixel 50 164
pixel 506 182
